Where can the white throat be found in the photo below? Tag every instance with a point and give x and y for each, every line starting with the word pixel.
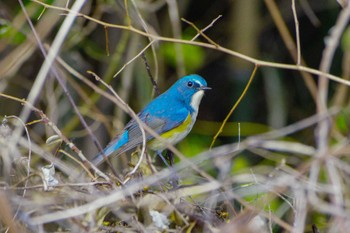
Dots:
pixel 196 100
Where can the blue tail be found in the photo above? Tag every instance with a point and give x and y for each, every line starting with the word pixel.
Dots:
pixel 112 148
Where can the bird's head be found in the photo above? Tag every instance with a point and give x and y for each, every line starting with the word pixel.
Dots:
pixel 191 90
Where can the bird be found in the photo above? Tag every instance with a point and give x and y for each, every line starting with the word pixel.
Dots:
pixel 171 115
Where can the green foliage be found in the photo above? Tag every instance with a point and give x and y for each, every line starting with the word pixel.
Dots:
pixel 342 122
pixel 10 33
pixel 93 50
pixel 194 56
pixel 239 163
pixel 194 144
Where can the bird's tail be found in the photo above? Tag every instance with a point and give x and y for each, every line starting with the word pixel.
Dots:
pixel 98 159
pixel 112 148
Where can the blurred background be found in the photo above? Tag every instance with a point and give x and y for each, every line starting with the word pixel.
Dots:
pixel 276 98
pixel 264 30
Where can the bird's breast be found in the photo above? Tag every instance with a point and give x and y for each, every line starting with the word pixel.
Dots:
pixel 196 100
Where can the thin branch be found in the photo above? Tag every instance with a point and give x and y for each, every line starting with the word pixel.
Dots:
pixel 206 28
pixel 297 33
pixel 200 32
pixel 234 106
pixel 57 185
pixel 134 58
pixel 107 40
pixel 305 5
pixel 148 68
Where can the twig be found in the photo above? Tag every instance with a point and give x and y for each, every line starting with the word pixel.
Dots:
pixel 234 106
pixel 78 162
pixel 128 20
pixel 239 134
pixel 148 68
pixel 200 32
pixel 107 40
pixel 297 33
pixel 57 185
pixel 206 28
pixel 133 59
pixel 305 5
pixel 300 212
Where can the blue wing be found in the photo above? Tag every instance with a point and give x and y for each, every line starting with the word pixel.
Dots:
pixel 159 118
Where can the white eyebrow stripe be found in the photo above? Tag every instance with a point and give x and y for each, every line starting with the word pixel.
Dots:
pixel 198 83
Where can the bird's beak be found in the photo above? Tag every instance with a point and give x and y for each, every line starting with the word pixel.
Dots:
pixel 204 88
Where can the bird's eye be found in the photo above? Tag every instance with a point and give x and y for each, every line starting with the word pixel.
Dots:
pixel 190 84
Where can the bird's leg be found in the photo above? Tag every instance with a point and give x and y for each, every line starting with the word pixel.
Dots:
pixel 159 153
pixel 174 179
pixel 170 157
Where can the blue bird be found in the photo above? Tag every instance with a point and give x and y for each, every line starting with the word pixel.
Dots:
pixel 171 115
